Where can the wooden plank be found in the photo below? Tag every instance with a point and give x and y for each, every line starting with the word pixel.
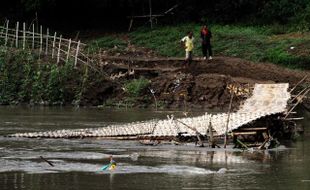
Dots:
pixel 244 133
pixel 253 129
pixel 145 16
pixel 294 119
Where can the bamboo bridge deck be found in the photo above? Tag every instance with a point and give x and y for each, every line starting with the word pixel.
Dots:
pixel 267 99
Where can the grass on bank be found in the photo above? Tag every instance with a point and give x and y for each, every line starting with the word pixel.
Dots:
pixel 276 44
pixel 24 78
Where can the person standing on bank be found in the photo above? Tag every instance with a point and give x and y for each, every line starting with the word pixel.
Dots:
pixel 206 35
pixel 188 44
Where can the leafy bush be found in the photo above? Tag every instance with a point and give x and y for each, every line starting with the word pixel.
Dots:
pixel 135 87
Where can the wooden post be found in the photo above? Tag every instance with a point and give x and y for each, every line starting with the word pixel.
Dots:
pixel 17 29
pixel 54 43
pixel 41 40
pixel 68 52
pixel 77 53
pixel 49 163
pixel 59 46
pixel 46 43
pixel 211 140
pixel 33 36
pixel 24 35
pixel 151 20
pixel 6 33
pixel 228 118
pixel 130 24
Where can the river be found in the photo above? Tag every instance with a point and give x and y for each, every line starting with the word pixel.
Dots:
pixel 77 162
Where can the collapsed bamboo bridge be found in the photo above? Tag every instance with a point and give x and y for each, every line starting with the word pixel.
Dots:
pixel 266 100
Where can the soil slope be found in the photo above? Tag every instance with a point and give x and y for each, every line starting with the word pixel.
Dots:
pixel 205 84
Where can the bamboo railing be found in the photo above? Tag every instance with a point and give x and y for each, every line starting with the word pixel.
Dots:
pixel 43 42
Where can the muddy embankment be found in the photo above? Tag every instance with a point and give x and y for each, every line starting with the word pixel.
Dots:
pixel 205 84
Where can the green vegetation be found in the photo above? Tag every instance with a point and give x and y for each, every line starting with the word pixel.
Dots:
pixel 275 44
pixel 25 79
pixel 108 42
pixel 135 87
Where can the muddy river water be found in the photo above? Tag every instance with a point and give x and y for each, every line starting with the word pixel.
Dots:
pixel 77 162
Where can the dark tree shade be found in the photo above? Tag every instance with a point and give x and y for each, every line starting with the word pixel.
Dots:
pixel 79 14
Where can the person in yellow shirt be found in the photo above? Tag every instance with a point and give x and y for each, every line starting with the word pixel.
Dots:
pixel 112 164
pixel 188 44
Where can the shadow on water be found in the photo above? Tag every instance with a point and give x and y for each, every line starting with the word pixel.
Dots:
pixel 77 162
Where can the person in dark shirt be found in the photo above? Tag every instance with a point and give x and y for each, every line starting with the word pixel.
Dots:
pixel 206 35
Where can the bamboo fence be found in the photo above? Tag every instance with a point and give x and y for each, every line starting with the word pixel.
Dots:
pixel 43 42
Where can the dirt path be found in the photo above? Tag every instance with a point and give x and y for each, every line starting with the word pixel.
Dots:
pixel 234 67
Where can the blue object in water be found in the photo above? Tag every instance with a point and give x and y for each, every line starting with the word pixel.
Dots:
pixel 105 167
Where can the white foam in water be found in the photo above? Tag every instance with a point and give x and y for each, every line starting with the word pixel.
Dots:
pixel 61 166
pixel 42 167
pixel 169 169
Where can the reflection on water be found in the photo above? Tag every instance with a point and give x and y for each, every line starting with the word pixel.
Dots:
pixel 78 161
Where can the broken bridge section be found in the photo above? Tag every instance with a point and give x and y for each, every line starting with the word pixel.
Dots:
pixel 267 99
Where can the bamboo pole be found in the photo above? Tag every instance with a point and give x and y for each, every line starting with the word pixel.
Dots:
pixel 130 25
pixel 54 43
pixel 298 95
pixel 150 6
pixel 299 100
pixel 41 40
pixel 59 46
pixel 16 32
pixel 6 33
pixel 45 160
pixel 46 43
pixel 298 83
pixel 228 118
pixel 33 36
pixel 68 52
pixel 211 140
pixel 24 35
pixel 77 53
pixel 194 129
pixel 294 119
